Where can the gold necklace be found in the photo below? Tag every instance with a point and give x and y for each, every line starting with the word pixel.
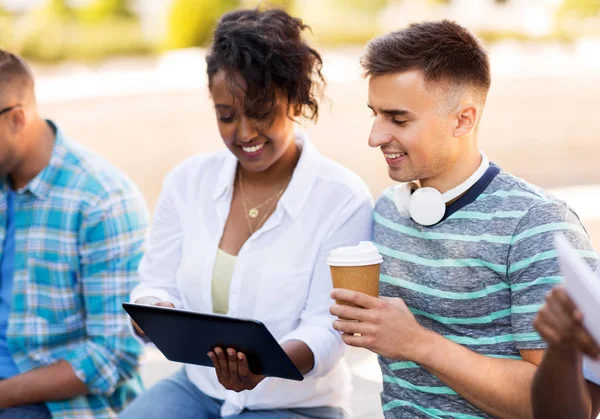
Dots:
pixel 260 223
pixel 254 211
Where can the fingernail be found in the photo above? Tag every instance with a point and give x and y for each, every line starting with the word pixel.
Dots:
pixel 240 356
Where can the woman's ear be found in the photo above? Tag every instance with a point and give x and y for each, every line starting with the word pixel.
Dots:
pixel 297 110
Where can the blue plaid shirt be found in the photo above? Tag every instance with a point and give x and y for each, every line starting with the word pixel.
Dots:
pixel 80 228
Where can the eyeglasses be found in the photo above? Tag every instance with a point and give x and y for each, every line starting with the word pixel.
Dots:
pixel 10 108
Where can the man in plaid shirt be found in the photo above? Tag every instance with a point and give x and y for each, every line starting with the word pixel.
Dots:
pixel 72 229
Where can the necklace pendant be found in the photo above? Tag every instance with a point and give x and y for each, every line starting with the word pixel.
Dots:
pixel 253 213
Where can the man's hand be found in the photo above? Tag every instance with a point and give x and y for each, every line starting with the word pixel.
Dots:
pixel 560 323
pixel 151 301
pixel 385 325
pixel 233 371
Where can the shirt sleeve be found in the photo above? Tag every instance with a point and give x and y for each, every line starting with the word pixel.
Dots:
pixel 354 224
pixel 533 267
pixel 111 245
pixel 162 256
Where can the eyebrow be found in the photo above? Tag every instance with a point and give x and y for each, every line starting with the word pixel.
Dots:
pixel 221 105
pixel 392 112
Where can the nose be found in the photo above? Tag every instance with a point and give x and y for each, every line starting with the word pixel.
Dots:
pixel 379 135
pixel 246 131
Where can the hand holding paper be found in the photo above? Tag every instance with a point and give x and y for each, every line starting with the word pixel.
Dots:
pixel 560 323
pixel 583 289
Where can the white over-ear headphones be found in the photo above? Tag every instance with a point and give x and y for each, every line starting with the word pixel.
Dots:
pixel 427 206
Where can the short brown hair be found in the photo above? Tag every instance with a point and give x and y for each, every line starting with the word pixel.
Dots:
pixel 443 51
pixel 16 78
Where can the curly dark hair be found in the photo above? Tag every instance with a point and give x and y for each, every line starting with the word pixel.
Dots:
pixel 266 47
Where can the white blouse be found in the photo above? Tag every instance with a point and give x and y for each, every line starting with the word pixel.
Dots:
pixel 281 276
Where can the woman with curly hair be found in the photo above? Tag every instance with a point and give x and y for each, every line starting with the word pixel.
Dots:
pixel 246 231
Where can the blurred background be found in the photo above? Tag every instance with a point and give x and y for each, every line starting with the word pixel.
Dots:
pixel 127 79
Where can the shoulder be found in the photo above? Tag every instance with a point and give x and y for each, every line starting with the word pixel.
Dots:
pixel 207 164
pixel 511 190
pixel 341 181
pixel 537 205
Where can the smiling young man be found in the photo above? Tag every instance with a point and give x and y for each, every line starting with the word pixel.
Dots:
pixel 468 248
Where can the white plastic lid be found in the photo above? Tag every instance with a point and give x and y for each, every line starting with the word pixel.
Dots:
pixel 362 255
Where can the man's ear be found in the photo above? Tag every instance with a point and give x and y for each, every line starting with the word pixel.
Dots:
pixel 17 119
pixel 466 120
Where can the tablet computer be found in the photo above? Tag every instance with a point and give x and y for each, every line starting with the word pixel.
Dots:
pixel 187 337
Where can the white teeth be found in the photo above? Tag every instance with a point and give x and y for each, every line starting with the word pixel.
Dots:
pixel 253 149
pixel 395 155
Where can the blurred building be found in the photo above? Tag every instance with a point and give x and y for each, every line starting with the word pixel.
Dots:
pixel 26 5
pixel 153 15
pixel 531 17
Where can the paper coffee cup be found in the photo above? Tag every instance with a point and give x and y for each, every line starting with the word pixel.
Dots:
pixel 356 268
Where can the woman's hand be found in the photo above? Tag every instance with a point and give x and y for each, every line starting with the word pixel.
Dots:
pixel 233 371
pixel 150 301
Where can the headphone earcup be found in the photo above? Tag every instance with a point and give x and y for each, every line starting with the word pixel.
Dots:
pixel 427 206
pixel 402 194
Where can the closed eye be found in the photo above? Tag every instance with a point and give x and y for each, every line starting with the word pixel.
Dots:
pixel 226 118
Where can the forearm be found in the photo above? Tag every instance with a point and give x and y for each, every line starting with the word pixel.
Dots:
pixel 54 382
pixel 499 387
pixel 559 389
pixel 300 354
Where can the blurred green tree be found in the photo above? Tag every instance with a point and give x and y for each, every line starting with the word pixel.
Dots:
pixel 287 5
pixel 363 5
pixel 56 8
pixel 191 22
pixel 101 29
pixel 5 28
pixel 580 8
pixel 99 10
pixel 44 31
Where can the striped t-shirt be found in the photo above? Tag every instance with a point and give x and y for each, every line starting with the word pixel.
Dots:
pixel 478 278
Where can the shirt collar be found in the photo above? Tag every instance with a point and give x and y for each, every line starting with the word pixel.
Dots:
pixel 297 193
pixel 474 192
pixel 41 184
